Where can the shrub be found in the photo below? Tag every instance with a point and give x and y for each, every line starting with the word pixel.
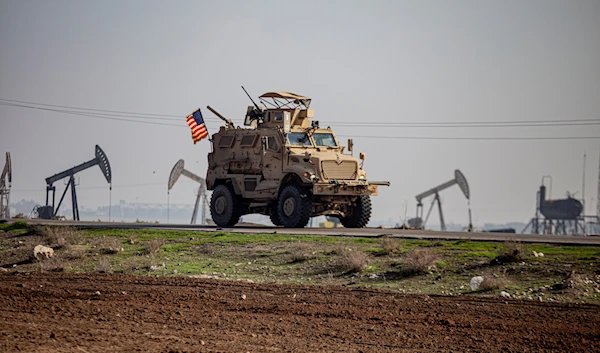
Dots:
pixel 389 245
pixel 353 260
pixel 302 252
pixel 493 283
pixel 513 252
pixel 59 236
pixel 153 246
pixel 103 265
pixel 419 260
pixel 108 245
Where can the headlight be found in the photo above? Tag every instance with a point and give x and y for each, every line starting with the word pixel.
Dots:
pixel 361 177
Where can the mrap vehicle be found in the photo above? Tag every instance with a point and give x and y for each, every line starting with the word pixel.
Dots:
pixel 284 165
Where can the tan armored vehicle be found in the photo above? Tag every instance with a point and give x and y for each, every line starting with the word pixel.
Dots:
pixel 286 166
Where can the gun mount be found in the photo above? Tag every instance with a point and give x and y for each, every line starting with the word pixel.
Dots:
pixel 179 170
pixel 49 211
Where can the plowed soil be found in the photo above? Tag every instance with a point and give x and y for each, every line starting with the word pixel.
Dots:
pixel 123 313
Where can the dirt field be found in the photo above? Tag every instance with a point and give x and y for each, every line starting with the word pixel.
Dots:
pixel 58 312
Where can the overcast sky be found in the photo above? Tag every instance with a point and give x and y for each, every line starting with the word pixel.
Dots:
pixel 361 61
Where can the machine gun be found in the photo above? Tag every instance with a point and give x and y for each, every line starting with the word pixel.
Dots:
pixel 254 114
pixel 227 121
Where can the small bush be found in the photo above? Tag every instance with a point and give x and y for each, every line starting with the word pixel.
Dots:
pixel 103 266
pixel 389 245
pixel 513 252
pixel 353 260
pixel 419 260
pixel 60 236
pixel 493 283
pixel 54 264
pixel 131 265
pixel 108 245
pixel 302 252
pixel 73 252
pixel 153 246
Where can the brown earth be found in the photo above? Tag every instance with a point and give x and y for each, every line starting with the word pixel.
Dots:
pixel 58 312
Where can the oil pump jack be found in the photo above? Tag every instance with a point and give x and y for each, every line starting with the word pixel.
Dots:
pixel 178 170
pixel 5 181
pixel 459 179
pixel 48 211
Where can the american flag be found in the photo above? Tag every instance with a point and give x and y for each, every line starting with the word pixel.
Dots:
pixel 196 123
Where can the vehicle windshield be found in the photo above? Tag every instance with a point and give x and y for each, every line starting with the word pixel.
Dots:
pixel 299 139
pixel 324 139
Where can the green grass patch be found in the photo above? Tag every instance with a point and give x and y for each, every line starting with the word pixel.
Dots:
pixel 566 250
pixel 18 225
pixel 282 258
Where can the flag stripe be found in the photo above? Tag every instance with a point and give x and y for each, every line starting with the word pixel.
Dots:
pixel 197 125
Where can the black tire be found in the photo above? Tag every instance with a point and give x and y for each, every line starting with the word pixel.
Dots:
pixel 294 207
pixel 225 206
pixel 274 215
pixel 360 213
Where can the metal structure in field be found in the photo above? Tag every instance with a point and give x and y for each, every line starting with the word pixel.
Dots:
pixel 5 181
pixel 557 217
pixel 419 222
pixel 179 170
pixel 49 211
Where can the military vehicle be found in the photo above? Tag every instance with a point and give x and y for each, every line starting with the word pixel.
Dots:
pixel 284 165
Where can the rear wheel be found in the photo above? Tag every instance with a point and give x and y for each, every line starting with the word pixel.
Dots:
pixel 294 207
pixel 360 213
pixel 225 206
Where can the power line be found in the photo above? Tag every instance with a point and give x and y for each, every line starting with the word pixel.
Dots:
pixel 91 115
pixel 118 113
pixel 91 109
pixel 129 116
pixel 475 125
pixel 475 138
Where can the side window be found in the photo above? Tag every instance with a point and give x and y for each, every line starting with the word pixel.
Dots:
pixel 277 116
pixel 272 144
pixel 226 141
pixel 248 141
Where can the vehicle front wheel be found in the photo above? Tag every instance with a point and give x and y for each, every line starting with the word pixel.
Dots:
pixel 274 215
pixel 225 206
pixel 359 215
pixel 294 207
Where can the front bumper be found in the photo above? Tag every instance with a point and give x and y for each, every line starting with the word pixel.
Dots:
pixel 345 188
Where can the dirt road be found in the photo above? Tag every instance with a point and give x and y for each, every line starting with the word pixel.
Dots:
pixel 121 313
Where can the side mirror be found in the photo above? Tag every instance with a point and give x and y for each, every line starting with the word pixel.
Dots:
pixel 350 145
pixel 362 159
